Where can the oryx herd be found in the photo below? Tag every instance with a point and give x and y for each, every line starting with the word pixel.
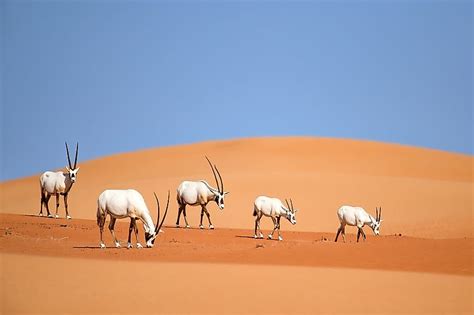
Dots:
pixel 129 203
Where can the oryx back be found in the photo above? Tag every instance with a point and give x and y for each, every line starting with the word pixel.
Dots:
pixel 122 203
pixel 269 206
pixel 53 182
pixel 353 215
pixel 192 192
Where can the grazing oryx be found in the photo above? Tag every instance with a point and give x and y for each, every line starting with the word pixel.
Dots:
pixel 120 204
pixel 56 183
pixel 200 193
pixel 357 216
pixel 273 208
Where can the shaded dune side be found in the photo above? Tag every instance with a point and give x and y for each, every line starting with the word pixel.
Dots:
pixel 424 193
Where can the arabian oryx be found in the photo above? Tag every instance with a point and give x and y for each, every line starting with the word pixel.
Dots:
pixel 56 183
pixel 120 204
pixel 273 208
pixel 200 193
pixel 357 216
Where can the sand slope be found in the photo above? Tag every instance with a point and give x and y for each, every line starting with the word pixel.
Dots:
pixel 80 238
pixel 424 193
pixel 65 285
pixel 57 267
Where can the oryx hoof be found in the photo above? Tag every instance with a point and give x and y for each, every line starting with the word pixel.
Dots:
pixel 102 245
pixel 56 216
pixel 270 237
pixel 211 227
pixel 117 245
pixel 50 215
pixel 255 236
pixel 280 238
pixel 129 245
pixel 139 245
pixel 41 214
pixel 68 217
pixel 187 226
pixel 177 225
pixel 261 235
pixel 201 226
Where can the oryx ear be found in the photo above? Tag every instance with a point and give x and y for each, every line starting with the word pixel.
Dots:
pixel 77 169
pixel 294 210
pixel 68 168
pixel 226 192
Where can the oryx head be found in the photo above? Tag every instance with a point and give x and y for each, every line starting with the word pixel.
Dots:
pixel 219 193
pixel 72 170
pixel 150 236
pixel 290 212
pixel 375 225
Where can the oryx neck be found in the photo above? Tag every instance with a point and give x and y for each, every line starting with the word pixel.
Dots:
pixel 214 191
pixel 69 182
pixel 148 223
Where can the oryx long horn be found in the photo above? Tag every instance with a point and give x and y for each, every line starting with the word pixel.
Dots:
pixel 380 213
pixel 158 226
pixel 75 159
pixel 213 172
pixel 68 158
pixel 158 218
pixel 220 177
pixel 292 208
pixel 287 204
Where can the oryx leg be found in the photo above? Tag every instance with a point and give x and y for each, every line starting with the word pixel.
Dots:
pixel 111 229
pixel 358 234
pixel 202 215
pixel 130 229
pixel 258 225
pixel 338 232
pixel 279 234
pixel 270 236
pixel 344 233
pixel 42 201
pixel 363 234
pixel 46 202
pixel 57 205
pixel 208 217
pixel 184 214
pixel 136 234
pixel 101 223
pixel 180 209
pixel 65 206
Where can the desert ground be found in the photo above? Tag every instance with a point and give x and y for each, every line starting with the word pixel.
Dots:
pixel 422 262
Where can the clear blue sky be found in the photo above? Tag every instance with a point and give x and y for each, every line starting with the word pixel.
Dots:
pixel 120 76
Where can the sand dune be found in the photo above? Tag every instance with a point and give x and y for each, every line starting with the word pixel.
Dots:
pixel 424 193
pixel 422 263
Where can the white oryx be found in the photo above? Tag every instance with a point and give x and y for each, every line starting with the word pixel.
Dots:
pixel 273 208
pixel 200 193
pixel 357 216
pixel 58 183
pixel 120 204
